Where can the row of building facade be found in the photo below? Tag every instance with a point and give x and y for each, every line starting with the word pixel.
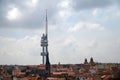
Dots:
pixel 86 71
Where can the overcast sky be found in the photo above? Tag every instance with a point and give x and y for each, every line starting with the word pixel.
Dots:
pixel 78 29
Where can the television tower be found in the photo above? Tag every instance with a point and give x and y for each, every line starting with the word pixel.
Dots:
pixel 44 45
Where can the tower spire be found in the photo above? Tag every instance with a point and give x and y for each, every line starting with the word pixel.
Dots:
pixel 46 30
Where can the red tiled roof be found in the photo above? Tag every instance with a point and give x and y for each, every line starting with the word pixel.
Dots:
pixel 119 68
pixel 108 77
pixel 51 78
pixel 30 78
pixel 58 73
pixel 41 66
pixel 25 78
pixel 31 66
pixel 71 73
pixel 63 69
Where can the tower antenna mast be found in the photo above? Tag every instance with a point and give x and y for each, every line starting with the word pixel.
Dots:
pixel 46 24
pixel 44 45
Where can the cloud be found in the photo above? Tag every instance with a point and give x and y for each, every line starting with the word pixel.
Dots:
pixel 65 4
pixel 76 30
pixel 95 12
pixel 20 50
pixel 13 14
pixel 32 3
pixel 33 15
pixel 76 49
pixel 86 25
pixel 85 4
pixel 68 49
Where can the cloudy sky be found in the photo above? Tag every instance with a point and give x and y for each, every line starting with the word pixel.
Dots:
pixel 78 29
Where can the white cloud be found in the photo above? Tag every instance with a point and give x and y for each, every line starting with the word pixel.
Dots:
pixel 68 49
pixel 64 4
pixel 64 9
pixel 13 14
pixel 77 27
pixel 21 50
pixel 32 3
pixel 95 11
pixel 86 25
pixel 65 47
pixel 68 40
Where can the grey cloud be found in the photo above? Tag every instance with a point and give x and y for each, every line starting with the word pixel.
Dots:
pixel 32 17
pixel 117 1
pixel 89 4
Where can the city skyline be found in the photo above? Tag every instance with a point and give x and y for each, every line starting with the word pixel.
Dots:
pixel 78 29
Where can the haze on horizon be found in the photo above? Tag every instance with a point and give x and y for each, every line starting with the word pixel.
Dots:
pixel 78 29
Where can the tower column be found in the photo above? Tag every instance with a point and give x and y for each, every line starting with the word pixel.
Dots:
pixel 45 53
